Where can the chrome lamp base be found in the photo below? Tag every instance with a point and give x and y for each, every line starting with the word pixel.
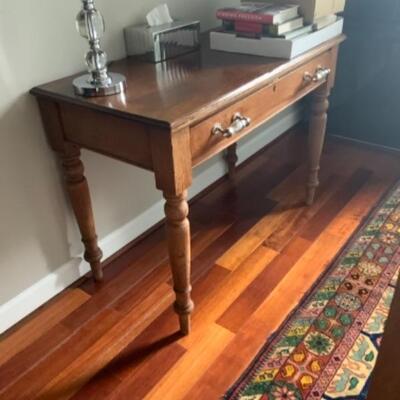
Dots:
pixel 84 87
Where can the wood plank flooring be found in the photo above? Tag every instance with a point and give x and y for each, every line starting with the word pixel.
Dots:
pixel 256 251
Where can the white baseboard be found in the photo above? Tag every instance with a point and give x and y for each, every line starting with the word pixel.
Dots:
pixel 371 145
pixel 51 285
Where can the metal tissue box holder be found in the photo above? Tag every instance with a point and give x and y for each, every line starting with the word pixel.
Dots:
pixel 160 43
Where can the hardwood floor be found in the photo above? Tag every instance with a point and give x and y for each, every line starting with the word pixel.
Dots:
pixel 256 251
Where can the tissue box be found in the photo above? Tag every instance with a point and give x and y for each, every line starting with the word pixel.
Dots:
pixel 159 43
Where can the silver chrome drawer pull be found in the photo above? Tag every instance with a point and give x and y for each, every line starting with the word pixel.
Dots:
pixel 239 122
pixel 320 75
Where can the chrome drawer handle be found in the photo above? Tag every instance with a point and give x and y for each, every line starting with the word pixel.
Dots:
pixel 239 122
pixel 320 75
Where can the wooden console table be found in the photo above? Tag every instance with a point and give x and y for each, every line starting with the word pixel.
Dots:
pixel 174 116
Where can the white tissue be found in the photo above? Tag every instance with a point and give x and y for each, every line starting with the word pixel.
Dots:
pixel 159 16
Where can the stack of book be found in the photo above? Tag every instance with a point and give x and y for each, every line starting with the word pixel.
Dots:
pixel 277 29
pixel 255 20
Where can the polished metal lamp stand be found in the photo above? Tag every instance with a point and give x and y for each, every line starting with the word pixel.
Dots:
pixel 99 82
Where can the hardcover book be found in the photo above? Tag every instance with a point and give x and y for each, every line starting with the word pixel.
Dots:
pixel 314 9
pixel 249 27
pixel 261 13
pixel 297 32
pixel 285 27
pixel 322 22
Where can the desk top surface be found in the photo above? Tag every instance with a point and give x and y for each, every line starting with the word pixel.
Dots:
pixel 184 90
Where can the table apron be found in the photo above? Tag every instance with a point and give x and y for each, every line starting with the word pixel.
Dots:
pixel 130 141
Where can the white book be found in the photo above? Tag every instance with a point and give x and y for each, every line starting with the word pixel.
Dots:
pixel 322 22
pixel 298 32
pixel 283 13
pixel 286 27
pixel 274 47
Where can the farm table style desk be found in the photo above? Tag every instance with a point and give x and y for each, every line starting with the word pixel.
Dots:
pixel 174 116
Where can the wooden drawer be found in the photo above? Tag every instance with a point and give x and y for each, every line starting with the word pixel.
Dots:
pixel 259 106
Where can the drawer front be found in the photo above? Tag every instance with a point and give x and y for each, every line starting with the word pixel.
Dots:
pixel 259 107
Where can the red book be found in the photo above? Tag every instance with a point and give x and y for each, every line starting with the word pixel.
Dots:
pixel 259 13
pixel 250 27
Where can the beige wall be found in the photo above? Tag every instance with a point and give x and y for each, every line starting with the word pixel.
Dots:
pixel 38 43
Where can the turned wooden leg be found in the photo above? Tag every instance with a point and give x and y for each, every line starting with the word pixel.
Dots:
pixel 316 138
pixel 232 159
pixel 78 191
pixel 178 237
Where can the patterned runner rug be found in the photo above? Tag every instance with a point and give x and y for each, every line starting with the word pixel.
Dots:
pixel 328 347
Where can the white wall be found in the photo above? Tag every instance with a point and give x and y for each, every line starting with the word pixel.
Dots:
pixel 39 242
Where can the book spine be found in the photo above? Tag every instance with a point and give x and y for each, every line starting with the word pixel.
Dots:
pixel 241 16
pixel 248 35
pixel 250 27
pixel 273 30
